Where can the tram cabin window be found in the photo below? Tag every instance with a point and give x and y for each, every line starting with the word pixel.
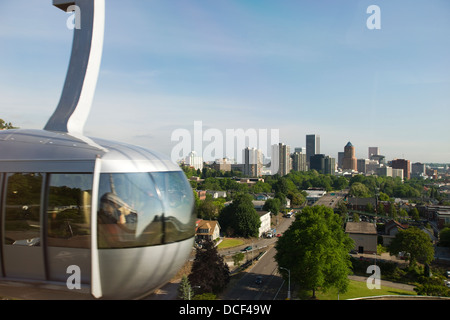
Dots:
pixel 68 210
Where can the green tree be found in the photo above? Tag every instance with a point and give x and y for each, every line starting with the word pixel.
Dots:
pixel 185 291
pixel 297 198
pixel 209 271
pixel 392 211
pixel 415 243
pixel 359 190
pixel 240 217
pixel 414 213
pixel 432 287
pixel 207 209
pixel 444 237
pixel 6 125
pixel 315 250
pixel 383 196
pixel 238 257
pixel 369 207
pixel 380 209
pixel 273 205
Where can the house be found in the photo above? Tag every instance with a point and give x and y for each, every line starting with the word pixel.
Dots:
pixel 437 214
pixel 201 194
pixel 364 234
pixel 207 229
pixel 391 228
pixel 265 217
pixel 360 204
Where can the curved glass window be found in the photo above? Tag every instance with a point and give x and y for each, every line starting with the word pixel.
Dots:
pixel 178 201
pixel 140 209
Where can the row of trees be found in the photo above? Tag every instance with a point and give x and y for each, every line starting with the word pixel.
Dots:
pixel 293 183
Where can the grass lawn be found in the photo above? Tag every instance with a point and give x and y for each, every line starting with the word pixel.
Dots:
pixel 230 242
pixel 359 289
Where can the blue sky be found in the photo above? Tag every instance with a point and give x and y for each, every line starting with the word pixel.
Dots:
pixel 298 66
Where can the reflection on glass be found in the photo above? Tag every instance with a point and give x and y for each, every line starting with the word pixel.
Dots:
pixel 143 209
pixel 178 200
pixel 68 211
pixel 23 197
pixel 129 211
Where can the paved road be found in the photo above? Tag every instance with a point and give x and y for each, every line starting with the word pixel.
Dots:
pixel 266 268
pixel 246 288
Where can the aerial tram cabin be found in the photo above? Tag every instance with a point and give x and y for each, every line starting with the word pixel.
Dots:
pixel 88 217
pixel 119 213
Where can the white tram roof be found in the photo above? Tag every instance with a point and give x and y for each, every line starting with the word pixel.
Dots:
pixel 20 146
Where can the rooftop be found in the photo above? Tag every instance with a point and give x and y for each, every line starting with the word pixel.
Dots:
pixel 360 227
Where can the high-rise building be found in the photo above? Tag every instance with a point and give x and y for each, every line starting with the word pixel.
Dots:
pixel 402 164
pixel 373 151
pixel 384 171
pixel 329 165
pixel 340 159
pixel 349 162
pixel 299 161
pixel 281 159
pixel 362 164
pixel 317 162
pixel 312 146
pixel 397 173
pixel 418 169
pixel 193 160
pixel 253 162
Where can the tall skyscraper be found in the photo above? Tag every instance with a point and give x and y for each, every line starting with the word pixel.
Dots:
pixel 253 162
pixel 418 169
pixel 317 162
pixel 329 165
pixel 349 162
pixel 312 146
pixel 193 160
pixel 402 164
pixel 281 159
pixel 373 151
pixel 299 161
pixel 340 159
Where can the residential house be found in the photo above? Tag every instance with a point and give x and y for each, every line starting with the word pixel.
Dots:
pixel 207 230
pixel 391 228
pixel 364 234
pixel 360 204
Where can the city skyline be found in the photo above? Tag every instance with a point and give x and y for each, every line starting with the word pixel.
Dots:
pixel 295 66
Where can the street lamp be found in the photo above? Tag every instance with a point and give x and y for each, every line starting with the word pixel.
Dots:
pixel 289 282
pixel 190 291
